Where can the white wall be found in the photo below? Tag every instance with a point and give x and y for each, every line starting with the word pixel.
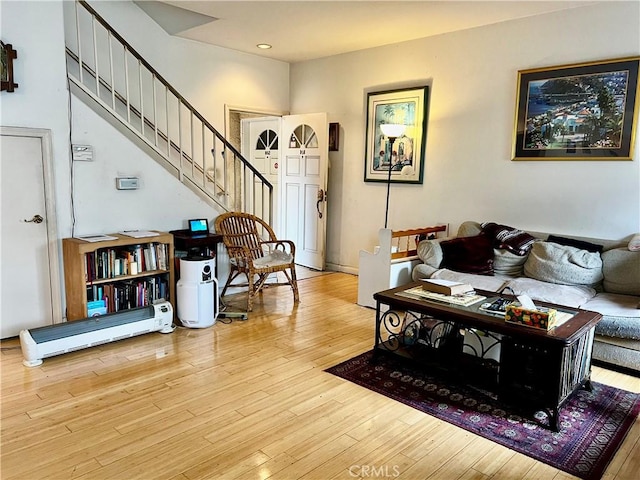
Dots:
pixel 468 173
pixel 35 29
pixel 161 202
pixel 208 77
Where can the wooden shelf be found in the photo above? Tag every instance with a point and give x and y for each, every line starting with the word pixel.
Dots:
pixel 76 282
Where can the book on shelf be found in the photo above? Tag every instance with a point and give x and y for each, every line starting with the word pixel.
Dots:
pixel 446 287
pixel 463 299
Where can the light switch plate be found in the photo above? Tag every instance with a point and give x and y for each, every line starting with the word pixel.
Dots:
pixel 127 183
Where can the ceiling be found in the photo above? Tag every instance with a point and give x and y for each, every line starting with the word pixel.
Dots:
pixel 309 29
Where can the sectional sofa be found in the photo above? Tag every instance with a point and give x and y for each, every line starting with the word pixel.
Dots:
pixel 592 274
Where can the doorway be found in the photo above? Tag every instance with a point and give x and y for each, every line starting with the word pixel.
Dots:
pixel 298 166
pixel 30 282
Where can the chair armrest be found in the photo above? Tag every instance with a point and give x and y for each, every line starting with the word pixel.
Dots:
pixel 240 253
pixel 286 246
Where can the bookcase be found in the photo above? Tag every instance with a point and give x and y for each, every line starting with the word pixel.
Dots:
pixel 105 270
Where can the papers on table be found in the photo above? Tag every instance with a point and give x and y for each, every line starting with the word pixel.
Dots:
pixel 96 238
pixel 139 233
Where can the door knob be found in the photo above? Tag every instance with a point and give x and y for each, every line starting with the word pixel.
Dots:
pixel 35 219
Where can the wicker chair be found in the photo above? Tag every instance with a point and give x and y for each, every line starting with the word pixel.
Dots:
pixel 255 252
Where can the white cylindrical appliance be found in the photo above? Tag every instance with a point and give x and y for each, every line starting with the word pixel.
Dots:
pixel 197 292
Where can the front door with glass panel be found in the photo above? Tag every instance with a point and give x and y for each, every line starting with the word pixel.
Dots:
pixel 260 145
pixel 303 186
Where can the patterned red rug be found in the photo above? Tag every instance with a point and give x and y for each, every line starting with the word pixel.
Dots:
pixel 592 424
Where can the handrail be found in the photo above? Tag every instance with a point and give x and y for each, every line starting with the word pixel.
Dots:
pixel 242 186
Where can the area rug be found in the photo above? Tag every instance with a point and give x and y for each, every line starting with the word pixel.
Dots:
pixel 592 424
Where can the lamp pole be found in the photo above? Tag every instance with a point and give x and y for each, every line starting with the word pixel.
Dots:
pixel 386 211
pixel 391 131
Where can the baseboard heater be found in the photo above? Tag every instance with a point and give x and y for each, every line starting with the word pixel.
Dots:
pixel 43 342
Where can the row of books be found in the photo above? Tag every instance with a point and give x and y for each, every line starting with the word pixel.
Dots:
pixel 128 294
pixel 112 262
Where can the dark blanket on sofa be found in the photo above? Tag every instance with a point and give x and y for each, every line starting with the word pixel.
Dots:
pixel 509 238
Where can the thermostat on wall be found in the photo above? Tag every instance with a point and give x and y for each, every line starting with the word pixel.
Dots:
pixel 127 183
pixel 82 153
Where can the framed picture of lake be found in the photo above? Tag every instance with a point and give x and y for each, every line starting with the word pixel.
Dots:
pixel 398 159
pixel 585 111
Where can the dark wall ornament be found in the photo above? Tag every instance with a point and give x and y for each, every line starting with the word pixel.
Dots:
pixel 7 56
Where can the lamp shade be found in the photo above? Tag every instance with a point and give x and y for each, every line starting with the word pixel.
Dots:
pixel 392 129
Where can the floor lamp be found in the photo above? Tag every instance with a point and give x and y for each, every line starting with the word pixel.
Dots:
pixel 391 131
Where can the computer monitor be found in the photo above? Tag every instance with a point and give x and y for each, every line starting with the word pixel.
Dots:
pixel 199 226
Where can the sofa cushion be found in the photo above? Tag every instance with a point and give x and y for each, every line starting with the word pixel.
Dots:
pixel 507 263
pixel 468 254
pixel 568 295
pixel 563 264
pixel 422 271
pixel 621 269
pixel 620 315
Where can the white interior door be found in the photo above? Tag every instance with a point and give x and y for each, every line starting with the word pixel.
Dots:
pixel 260 145
pixel 303 186
pixel 29 288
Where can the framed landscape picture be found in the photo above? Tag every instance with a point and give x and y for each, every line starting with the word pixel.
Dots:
pixel 585 111
pixel 406 156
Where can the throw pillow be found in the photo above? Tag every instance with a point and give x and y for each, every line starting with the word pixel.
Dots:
pixel 572 242
pixel 468 254
pixel 507 263
pixel 469 229
pixel 430 252
pixel 563 264
pixel 621 269
pixel 502 236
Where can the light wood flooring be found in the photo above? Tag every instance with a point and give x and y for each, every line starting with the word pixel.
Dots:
pixel 244 400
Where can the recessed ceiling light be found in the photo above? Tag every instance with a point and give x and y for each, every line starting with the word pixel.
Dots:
pixel 264 46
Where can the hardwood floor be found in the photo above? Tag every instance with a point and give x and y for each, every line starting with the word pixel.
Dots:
pixel 245 400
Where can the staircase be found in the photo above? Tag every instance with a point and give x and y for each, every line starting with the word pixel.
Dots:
pixel 111 77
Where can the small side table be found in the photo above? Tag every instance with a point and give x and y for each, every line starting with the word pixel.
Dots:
pixel 201 245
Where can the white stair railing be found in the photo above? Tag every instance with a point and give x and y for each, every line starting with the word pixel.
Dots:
pixel 105 68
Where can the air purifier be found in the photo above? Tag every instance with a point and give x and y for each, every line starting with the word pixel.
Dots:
pixel 197 292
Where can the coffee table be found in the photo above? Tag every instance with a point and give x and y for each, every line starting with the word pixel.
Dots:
pixel 526 367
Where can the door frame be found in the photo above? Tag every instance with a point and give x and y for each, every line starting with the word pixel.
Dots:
pixel 50 211
pixel 257 112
